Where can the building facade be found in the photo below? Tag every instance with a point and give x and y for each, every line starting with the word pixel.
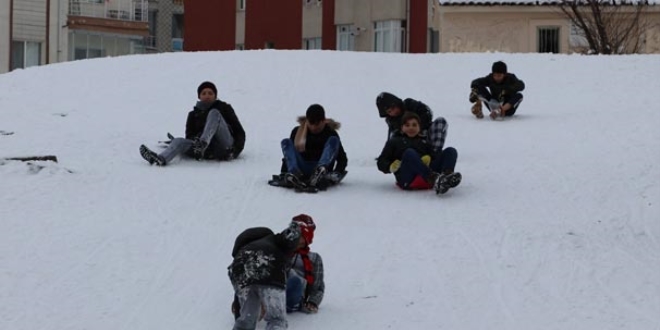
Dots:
pixel 165 26
pixel 31 33
pixel 100 28
pixel 521 26
pixel 38 32
pixel 366 25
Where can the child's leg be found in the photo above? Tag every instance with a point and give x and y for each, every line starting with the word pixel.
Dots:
pixel 274 302
pixel 176 147
pixel 295 290
pixel 514 100
pixel 330 150
pixel 411 167
pixel 294 161
pixel 438 133
pixel 444 160
pixel 250 303
pixel 220 138
pixel 216 125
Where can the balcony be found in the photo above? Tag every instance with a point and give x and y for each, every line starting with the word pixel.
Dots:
pixel 123 10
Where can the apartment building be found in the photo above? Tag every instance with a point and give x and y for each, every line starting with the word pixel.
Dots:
pixel 523 26
pixel 38 32
pixel 99 28
pixel 165 26
pixel 31 33
pixel 365 25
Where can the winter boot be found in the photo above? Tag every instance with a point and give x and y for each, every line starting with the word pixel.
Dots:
pixel 295 180
pixel 151 157
pixel 318 175
pixel 476 110
pixel 446 181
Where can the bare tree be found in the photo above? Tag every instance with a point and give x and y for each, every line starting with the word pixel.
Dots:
pixel 609 26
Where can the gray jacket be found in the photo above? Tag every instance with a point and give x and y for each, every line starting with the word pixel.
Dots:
pixel 314 293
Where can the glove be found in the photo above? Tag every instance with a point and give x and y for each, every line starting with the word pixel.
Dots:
pixel 395 166
pixel 473 96
pixel 426 159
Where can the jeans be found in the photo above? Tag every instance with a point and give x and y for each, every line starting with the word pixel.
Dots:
pixel 255 297
pixel 295 291
pixel 412 165
pixel 296 164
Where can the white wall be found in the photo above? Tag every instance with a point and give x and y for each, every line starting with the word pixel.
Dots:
pixel 4 36
pixel 58 35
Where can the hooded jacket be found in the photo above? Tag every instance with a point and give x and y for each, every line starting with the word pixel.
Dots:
pixel 312 144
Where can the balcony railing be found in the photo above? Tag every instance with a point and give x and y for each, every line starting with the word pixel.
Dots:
pixel 125 10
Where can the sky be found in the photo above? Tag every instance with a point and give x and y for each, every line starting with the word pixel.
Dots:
pixel 555 225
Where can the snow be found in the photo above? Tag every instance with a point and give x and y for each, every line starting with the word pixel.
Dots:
pixel 555 225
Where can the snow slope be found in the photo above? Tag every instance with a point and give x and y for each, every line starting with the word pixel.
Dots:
pixel 555 226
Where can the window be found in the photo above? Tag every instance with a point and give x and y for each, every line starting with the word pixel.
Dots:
pixel 548 39
pixel 345 37
pixel 389 36
pixel 177 26
pixel 312 43
pixel 241 4
pixel 177 44
pixel 434 41
pixel 25 54
pixel 269 45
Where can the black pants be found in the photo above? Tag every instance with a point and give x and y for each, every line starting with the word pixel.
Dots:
pixel 514 100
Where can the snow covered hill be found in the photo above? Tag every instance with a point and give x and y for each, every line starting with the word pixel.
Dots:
pixel 555 226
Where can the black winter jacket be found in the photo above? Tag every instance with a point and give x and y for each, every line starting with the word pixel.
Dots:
pixel 314 144
pixel 197 120
pixel 502 91
pixel 395 147
pixel 263 261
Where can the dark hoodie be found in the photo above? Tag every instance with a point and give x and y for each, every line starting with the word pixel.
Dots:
pixel 263 261
pixel 386 100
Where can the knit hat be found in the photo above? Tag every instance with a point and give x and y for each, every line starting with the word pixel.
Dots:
pixel 499 67
pixel 307 226
pixel 315 114
pixel 387 100
pixel 207 84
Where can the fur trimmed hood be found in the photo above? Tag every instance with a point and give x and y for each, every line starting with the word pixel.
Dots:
pixel 301 135
pixel 328 121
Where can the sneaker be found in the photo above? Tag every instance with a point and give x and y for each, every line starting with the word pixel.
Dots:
pixel 446 181
pixel 294 180
pixel 151 157
pixel 199 148
pixel 495 114
pixel 476 110
pixel 319 173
